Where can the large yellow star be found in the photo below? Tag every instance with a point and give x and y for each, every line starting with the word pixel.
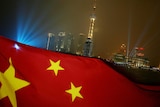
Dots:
pixel 10 84
pixel 74 91
pixel 55 66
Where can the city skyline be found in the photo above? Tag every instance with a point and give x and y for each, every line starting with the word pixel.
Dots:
pixel 117 22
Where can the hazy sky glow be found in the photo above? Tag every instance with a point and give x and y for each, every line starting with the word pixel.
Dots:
pixel 117 21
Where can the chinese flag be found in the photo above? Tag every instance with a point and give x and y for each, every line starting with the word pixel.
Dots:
pixel 33 77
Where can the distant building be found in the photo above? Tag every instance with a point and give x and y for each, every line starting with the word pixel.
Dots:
pixel 69 44
pixel 89 43
pixel 49 41
pixel 61 43
pixel 136 61
pixel 80 44
pixel 88 47
pixel 58 43
pixel 119 58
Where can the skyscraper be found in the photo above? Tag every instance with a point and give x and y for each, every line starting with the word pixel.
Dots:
pixel 80 44
pixel 61 42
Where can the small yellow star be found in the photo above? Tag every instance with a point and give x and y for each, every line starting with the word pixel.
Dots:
pixel 74 91
pixel 10 84
pixel 55 66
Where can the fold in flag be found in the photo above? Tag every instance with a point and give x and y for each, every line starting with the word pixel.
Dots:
pixel 33 77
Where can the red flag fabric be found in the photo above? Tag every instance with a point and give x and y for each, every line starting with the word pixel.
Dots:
pixel 33 77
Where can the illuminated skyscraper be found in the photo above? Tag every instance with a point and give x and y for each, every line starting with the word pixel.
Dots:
pixel 80 44
pixel 61 43
pixel 49 40
pixel 89 43
pixel 69 43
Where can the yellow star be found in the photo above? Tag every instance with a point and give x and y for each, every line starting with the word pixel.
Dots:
pixel 55 66
pixel 10 84
pixel 74 91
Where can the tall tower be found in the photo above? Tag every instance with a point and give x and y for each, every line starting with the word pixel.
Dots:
pixel 89 43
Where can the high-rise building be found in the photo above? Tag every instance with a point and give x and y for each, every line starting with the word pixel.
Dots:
pixel 58 43
pixel 89 43
pixel 49 41
pixel 62 42
pixel 69 43
pixel 80 44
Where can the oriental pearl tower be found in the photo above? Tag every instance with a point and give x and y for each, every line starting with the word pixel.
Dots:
pixel 89 43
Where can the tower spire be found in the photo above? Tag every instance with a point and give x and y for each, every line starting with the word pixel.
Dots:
pixel 92 21
pixel 89 44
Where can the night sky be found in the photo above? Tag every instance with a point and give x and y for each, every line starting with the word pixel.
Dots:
pixel 117 22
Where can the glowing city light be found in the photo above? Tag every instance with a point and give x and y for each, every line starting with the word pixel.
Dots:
pixel 16 46
pixel 28 29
